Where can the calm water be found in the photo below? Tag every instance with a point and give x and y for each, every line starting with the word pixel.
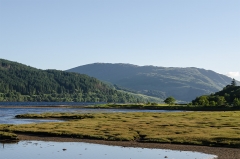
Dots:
pixel 7 115
pixel 78 150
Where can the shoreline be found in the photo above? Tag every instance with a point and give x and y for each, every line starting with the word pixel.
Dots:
pixel 221 152
pixel 167 108
pixel 48 106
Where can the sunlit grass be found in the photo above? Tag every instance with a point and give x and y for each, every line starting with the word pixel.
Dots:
pixel 199 128
pixel 162 106
pixel 7 135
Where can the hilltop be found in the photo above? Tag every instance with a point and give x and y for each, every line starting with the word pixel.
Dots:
pixel 19 82
pixel 184 84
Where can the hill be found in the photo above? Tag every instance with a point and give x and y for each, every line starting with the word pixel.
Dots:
pixel 228 96
pixel 184 84
pixel 19 82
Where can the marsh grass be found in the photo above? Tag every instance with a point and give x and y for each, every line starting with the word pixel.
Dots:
pixel 198 128
pixel 5 136
pixel 56 116
pixel 157 106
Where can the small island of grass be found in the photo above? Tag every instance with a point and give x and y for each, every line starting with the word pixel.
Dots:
pixel 8 137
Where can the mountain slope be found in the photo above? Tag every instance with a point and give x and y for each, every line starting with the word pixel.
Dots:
pixel 183 83
pixel 19 82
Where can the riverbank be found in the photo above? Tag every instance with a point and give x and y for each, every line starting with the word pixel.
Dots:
pixel 131 107
pixel 222 153
pixel 155 106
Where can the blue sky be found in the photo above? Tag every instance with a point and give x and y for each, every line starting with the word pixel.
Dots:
pixel 62 34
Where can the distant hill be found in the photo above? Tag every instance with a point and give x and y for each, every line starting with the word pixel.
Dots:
pixel 184 84
pixel 19 82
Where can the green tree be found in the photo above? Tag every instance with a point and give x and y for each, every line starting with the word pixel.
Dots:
pixel 236 102
pixel 233 83
pixel 212 103
pixel 220 100
pixel 170 100
pixel 203 100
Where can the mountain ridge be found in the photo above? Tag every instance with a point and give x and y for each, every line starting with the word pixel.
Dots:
pixel 158 81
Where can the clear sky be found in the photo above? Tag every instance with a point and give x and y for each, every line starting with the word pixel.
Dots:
pixel 62 34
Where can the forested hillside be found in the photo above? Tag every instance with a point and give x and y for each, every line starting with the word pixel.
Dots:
pixel 229 95
pixel 19 82
pixel 182 83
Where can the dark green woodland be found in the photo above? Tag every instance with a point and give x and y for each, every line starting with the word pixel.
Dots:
pixel 19 82
pixel 228 96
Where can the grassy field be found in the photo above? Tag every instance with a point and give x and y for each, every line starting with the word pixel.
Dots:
pixel 198 128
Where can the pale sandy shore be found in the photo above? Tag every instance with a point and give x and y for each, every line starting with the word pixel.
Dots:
pixel 221 152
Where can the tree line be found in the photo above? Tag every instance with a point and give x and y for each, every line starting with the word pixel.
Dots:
pixel 19 82
pixel 229 96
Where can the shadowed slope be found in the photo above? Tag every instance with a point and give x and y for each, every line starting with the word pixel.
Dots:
pixel 183 83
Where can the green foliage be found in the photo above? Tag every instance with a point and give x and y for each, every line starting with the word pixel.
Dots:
pixel 236 102
pixel 170 100
pixel 233 83
pixel 220 100
pixel 19 82
pixel 230 95
pixel 212 103
pixel 203 101
pixel 154 104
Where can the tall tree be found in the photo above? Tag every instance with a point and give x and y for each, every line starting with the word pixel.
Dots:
pixel 233 83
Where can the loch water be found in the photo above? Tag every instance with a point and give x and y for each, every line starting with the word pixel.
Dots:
pixel 8 110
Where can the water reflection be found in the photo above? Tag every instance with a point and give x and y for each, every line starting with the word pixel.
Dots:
pixel 63 150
